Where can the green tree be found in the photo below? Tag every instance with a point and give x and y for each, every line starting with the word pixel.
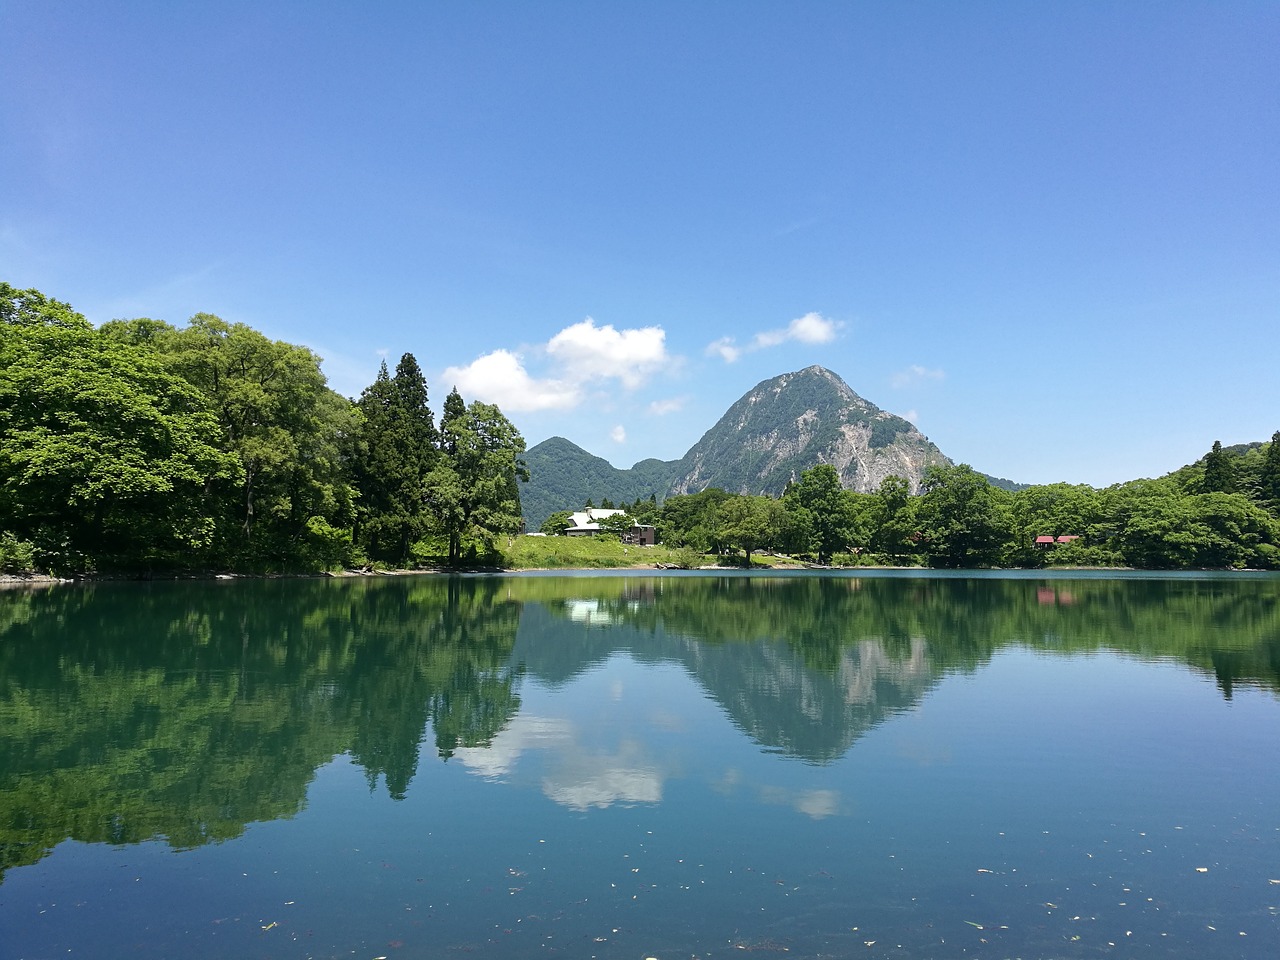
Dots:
pixel 289 432
pixel 749 523
pixel 451 418
pixel 1219 475
pixel 396 450
pixel 645 511
pixel 692 520
pixel 557 523
pixel 1209 530
pixel 105 453
pixel 830 520
pixel 893 520
pixel 618 524
pixel 472 491
pixel 962 519
pixel 1269 477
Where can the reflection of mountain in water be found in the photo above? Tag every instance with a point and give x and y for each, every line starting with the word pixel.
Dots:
pixel 186 711
pixel 766 687
pixel 788 707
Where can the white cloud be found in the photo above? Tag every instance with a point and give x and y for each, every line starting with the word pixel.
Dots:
pixel 500 377
pixel 587 352
pixel 770 338
pixel 660 408
pixel 724 349
pixel 618 434
pixel 579 355
pixel 812 328
pixel 914 375
pixel 913 416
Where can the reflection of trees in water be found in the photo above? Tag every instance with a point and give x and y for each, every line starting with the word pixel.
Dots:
pixel 1228 627
pixel 831 656
pixel 186 711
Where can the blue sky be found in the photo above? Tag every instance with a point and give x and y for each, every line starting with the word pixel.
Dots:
pixel 1047 233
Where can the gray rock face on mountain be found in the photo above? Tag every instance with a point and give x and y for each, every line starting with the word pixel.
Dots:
pixel 769 437
pixel 793 422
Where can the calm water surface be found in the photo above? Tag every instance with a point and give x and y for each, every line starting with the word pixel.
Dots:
pixel 621 766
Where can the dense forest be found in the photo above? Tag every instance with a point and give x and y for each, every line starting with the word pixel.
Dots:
pixel 140 446
pixel 1222 512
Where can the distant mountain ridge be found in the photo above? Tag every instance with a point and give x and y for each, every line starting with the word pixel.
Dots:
pixel 773 433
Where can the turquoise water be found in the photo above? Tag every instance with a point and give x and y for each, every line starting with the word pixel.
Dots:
pixel 621 766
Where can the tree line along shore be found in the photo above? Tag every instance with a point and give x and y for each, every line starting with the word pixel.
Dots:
pixel 141 448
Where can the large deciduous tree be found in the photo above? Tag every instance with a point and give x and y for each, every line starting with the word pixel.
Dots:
pixel 962 519
pixel 289 432
pixel 472 490
pixel 105 453
pixel 819 499
pixel 894 531
pixel 693 520
pixel 750 523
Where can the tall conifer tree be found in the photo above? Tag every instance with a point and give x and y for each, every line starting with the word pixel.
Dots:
pixel 1270 477
pixel 451 419
pixel 1219 477
pixel 398 446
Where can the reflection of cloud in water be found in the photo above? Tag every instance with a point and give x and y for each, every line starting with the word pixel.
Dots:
pixel 728 782
pixel 812 803
pixel 600 779
pixel 578 779
pixel 668 721
pixel 521 734
pixel 817 803
pixel 606 787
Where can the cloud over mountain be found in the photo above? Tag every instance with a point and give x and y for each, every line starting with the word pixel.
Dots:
pixel 812 328
pixel 580 355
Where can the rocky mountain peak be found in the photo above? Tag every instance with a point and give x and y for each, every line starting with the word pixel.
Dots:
pixel 772 434
pixel 789 423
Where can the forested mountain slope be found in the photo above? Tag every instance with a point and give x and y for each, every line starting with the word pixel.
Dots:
pixel 563 476
pixel 776 431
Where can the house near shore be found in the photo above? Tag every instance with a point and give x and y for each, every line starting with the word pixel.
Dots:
pixel 1045 542
pixel 586 523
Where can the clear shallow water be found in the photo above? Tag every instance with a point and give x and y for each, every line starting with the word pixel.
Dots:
pixel 882 766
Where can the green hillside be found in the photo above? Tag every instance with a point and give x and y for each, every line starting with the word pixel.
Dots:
pixel 563 476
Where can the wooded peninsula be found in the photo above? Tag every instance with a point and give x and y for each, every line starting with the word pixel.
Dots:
pixel 141 448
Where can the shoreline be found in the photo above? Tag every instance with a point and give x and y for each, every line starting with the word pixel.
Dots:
pixel 17 581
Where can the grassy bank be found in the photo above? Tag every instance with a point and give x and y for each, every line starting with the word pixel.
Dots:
pixel 599 553
pixel 557 553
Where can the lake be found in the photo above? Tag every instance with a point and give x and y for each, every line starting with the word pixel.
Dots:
pixel 864 765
